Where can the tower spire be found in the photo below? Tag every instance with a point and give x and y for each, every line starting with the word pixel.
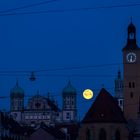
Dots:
pixel 131 37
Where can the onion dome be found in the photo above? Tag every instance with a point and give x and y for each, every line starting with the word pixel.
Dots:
pixel 17 92
pixel 69 89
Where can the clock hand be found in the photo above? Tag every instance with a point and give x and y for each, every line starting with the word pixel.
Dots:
pixel 131 59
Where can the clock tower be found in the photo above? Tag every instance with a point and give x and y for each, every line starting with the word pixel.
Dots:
pixel 131 65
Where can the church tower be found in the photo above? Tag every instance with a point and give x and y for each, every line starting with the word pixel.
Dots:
pixel 119 90
pixel 69 109
pixel 131 64
pixel 17 102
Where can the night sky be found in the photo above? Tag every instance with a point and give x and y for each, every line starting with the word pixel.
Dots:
pixel 36 42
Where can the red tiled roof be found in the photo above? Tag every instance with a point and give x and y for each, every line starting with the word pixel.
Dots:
pixel 104 109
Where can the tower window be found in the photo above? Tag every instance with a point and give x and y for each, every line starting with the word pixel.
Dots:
pixel 129 84
pixel 133 85
pixel 131 35
pixel 131 94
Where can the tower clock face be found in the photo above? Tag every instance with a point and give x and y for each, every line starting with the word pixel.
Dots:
pixel 131 57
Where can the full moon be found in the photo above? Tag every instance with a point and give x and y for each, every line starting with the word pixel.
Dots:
pixel 88 94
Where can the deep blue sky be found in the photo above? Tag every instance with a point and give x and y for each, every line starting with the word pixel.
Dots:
pixel 69 39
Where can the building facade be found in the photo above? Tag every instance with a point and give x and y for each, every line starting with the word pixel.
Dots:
pixel 104 120
pixel 131 65
pixel 43 109
pixel 11 130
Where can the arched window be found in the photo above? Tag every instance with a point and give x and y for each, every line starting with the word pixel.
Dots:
pixel 129 84
pixel 102 134
pixel 133 84
pixel 131 94
pixel 117 135
pixel 88 134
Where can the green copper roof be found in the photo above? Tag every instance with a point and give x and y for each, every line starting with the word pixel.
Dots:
pixel 69 89
pixel 17 91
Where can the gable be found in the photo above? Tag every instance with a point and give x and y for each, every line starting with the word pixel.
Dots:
pixel 104 109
